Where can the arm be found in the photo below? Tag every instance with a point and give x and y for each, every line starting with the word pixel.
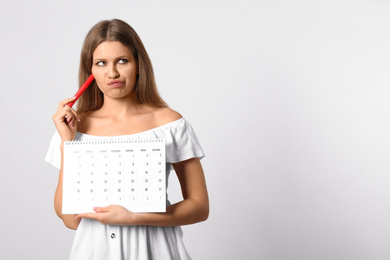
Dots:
pixel 192 209
pixel 69 220
pixel 65 120
pixel 195 204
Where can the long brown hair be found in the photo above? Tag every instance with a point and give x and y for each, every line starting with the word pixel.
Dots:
pixel 117 30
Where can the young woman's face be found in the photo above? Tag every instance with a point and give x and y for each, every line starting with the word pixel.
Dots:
pixel 115 69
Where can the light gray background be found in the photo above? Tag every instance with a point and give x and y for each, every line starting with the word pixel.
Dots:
pixel 289 99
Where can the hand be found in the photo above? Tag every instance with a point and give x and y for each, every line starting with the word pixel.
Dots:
pixel 111 215
pixel 65 120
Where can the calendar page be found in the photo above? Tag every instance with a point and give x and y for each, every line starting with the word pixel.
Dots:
pixel 99 173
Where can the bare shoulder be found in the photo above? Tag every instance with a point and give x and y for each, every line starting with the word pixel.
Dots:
pixel 164 116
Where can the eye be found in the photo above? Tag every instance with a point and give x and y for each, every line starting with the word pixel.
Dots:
pixel 122 61
pixel 100 63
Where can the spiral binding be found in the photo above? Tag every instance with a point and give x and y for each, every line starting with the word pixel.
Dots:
pixel 114 141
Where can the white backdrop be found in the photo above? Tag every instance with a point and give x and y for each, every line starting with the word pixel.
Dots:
pixel 289 99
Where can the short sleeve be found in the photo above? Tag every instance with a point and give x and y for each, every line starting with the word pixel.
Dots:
pixel 182 143
pixel 53 155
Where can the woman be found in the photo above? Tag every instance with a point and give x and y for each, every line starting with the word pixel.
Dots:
pixel 123 101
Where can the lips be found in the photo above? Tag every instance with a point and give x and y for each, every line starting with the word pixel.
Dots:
pixel 116 83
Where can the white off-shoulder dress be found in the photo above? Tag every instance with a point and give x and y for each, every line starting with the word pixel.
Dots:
pixel 95 241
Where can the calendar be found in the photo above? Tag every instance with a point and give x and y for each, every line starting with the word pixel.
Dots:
pixel 130 173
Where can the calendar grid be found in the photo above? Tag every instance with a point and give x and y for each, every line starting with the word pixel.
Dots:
pixel 124 172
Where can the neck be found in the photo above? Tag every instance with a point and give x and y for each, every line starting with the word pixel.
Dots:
pixel 115 108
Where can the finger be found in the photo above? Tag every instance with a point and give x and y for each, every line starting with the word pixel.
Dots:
pixel 67 117
pixel 87 215
pixel 69 114
pixel 64 102
pixel 70 121
pixel 64 115
pixel 101 209
pixel 74 112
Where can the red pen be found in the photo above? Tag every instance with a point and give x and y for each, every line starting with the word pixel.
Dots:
pixel 81 90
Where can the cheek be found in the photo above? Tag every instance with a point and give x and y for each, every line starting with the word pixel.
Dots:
pixel 95 72
pixel 97 75
pixel 133 73
pixel 98 81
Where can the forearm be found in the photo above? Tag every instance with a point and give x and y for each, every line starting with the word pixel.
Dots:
pixel 69 220
pixel 195 206
pixel 186 212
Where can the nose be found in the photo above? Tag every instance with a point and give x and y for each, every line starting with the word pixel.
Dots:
pixel 113 72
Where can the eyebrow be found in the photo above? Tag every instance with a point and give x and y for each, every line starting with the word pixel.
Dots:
pixel 128 57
